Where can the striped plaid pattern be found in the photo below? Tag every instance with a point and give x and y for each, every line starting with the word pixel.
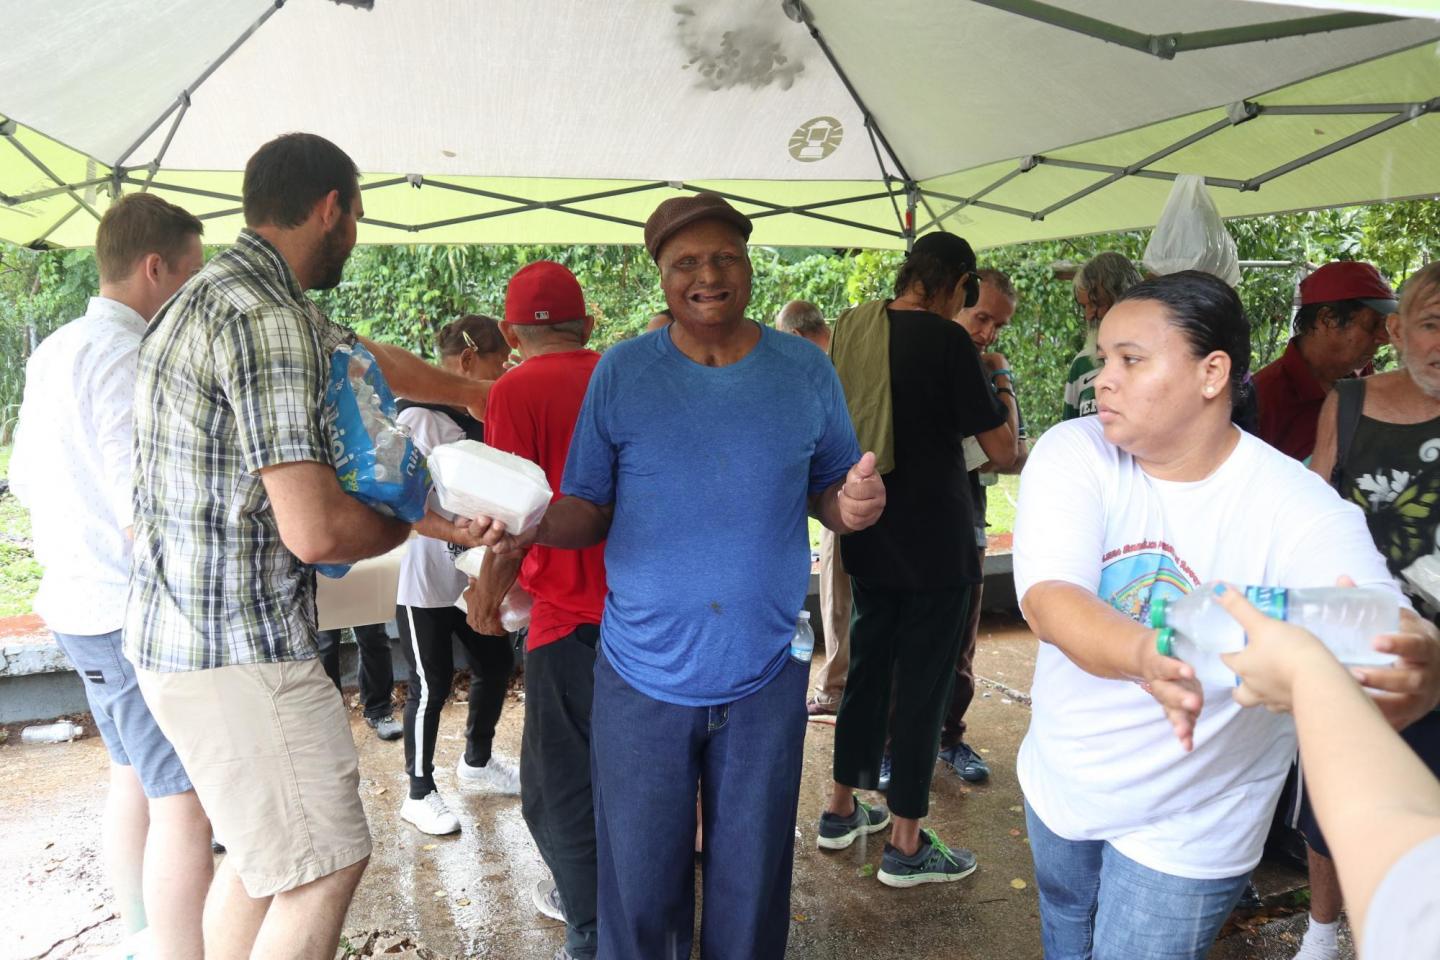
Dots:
pixel 232 379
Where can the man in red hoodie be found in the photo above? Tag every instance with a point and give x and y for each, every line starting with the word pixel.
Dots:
pixel 532 413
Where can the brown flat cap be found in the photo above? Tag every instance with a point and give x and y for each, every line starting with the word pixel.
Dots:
pixel 678 212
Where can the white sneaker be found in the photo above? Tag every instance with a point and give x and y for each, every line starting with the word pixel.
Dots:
pixel 137 946
pixel 546 898
pixel 497 776
pixel 1310 950
pixel 430 815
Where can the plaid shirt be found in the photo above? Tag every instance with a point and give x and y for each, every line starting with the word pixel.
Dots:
pixel 232 378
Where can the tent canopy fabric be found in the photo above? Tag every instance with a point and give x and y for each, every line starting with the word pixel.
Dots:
pixel 566 122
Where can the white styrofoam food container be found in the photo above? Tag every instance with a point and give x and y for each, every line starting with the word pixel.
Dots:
pixel 476 480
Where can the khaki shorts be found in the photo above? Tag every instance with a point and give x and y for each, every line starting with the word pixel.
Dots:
pixel 269 750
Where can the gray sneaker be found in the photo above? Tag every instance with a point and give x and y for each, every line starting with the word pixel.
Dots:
pixel 837 832
pixel 386 727
pixel 932 863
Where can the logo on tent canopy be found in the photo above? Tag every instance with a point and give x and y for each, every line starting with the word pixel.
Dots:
pixel 816 139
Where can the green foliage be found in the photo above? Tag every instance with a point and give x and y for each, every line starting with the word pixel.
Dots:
pixel 38 291
pixel 404 294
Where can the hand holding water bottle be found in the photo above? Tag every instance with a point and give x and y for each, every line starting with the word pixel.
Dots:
pixel 1276 654
pixel 1404 692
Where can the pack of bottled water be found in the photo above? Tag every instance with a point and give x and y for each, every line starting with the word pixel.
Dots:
pixel 375 460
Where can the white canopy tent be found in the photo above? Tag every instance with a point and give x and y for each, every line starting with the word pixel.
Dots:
pixel 832 122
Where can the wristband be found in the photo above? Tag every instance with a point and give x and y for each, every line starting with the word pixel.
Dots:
pixel 1000 390
pixel 1002 372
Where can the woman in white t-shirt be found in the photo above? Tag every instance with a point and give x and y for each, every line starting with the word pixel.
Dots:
pixel 426 614
pixel 1149 790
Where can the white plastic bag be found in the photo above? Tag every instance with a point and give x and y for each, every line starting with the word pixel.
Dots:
pixel 1191 235
pixel 476 480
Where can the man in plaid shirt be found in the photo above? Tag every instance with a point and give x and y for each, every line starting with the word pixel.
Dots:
pixel 235 498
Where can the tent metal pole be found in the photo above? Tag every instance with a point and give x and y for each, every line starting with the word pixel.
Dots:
pixel 205 75
pixel 177 188
pixel 1255 183
pixel 912 199
pixel 963 202
pixel 55 226
pixel 884 174
pixel 7 132
pixel 1167 45
pixel 15 201
pixel 803 207
pixel 160 157
pixel 982 204
pixel 780 208
pixel 1196 137
pixel 1227 182
pixel 870 122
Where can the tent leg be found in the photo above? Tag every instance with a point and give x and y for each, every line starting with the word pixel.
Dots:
pixel 912 200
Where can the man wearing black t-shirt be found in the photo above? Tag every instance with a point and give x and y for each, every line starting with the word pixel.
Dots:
pixel 913 570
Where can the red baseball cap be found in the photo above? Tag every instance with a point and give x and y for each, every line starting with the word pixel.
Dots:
pixel 1349 280
pixel 543 293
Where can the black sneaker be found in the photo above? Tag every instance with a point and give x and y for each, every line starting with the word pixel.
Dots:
pixel 932 863
pixel 965 762
pixel 837 832
pixel 386 727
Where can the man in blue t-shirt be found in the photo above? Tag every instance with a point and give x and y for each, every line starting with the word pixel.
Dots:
pixel 699 451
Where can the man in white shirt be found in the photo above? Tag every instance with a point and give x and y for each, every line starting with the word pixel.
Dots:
pixel 72 469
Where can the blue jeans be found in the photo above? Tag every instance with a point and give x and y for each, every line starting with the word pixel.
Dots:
pixel 648 760
pixel 1095 902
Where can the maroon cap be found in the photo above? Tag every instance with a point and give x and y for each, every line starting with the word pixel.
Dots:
pixel 543 293
pixel 1348 280
pixel 679 212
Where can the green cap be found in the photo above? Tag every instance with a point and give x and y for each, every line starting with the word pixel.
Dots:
pixel 1157 620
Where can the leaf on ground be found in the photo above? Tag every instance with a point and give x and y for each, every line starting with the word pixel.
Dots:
pixel 430 846
pixel 1018 884
pixel 800 918
pixel 1017 809
pixel 866 870
pixel 1014 832
pixel 462 903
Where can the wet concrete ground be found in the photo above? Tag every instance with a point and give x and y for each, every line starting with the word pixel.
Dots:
pixel 469 895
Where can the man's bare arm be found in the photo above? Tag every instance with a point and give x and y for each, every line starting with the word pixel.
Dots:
pixel 414 379
pixel 319 522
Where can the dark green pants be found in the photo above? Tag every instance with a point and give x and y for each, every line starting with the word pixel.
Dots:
pixel 906 642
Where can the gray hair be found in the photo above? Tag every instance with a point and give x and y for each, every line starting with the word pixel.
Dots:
pixel 532 334
pixel 1106 277
pixel 999 280
pixel 802 317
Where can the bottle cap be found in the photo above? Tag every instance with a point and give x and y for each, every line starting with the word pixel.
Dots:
pixel 804 614
pixel 1157 612
pixel 1164 641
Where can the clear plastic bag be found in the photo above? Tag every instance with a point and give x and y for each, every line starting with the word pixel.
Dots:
pixel 1191 235
pixel 375 460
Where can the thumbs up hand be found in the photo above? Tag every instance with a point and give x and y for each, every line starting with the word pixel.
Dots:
pixel 861 497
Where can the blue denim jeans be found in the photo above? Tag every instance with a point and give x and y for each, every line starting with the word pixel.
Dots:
pixel 648 760
pixel 1095 902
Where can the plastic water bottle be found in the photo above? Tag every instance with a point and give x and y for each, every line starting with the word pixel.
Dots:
pixel 515 609
pixel 62 732
pixel 802 644
pixel 1196 629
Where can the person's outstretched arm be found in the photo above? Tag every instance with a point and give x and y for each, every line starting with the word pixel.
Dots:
pixel 1374 798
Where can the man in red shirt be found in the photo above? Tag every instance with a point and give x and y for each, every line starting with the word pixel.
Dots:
pixel 532 413
pixel 1340 324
